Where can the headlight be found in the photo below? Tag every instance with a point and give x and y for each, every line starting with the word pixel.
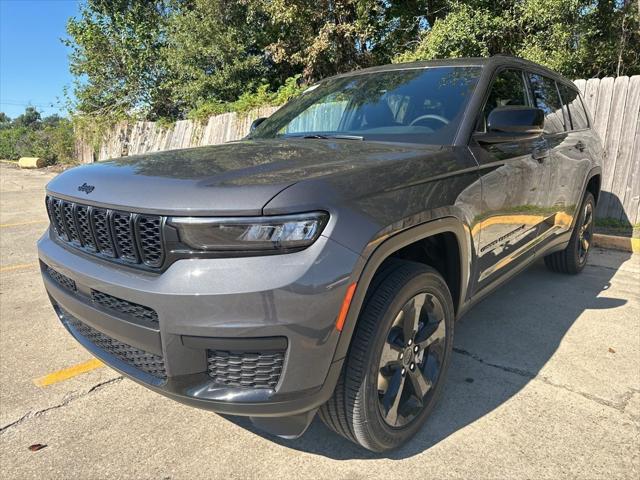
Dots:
pixel 281 233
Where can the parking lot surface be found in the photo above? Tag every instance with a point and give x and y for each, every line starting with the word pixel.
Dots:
pixel 544 383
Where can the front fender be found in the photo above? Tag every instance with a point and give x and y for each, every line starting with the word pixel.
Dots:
pixel 367 266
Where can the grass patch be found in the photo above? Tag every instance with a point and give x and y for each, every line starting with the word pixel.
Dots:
pixel 614 226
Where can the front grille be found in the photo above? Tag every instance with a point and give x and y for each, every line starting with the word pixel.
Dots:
pixel 123 306
pixel 124 237
pixel 145 361
pixel 245 369
pixel 62 280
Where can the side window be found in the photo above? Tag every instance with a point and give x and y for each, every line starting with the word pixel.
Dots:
pixel 507 89
pixel 576 110
pixel 545 95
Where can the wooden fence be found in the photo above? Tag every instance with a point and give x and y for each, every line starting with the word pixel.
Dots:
pixel 144 137
pixel 614 105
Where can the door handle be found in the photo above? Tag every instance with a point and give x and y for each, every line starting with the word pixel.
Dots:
pixel 580 146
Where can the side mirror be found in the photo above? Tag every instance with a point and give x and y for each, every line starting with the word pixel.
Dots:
pixel 511 123
pixel 256 123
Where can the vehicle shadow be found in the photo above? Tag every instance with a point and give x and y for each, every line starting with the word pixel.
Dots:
pixel 500 346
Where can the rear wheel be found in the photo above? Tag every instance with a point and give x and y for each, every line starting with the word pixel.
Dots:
pixel 574 257
pixel 397 361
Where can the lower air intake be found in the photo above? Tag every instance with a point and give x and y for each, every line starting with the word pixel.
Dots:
pixel 145 361
pixel 245 369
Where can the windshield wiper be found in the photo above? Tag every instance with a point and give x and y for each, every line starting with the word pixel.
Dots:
pixel 330 137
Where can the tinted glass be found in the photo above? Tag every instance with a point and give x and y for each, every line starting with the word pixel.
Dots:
pixel 507 89
pixel 576 109
pixel 422 105
pixel 545 95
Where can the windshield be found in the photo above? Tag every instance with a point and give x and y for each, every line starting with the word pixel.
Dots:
pixel 422 105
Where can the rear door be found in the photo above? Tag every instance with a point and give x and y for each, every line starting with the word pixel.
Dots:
pixel 547 98
pixel 568 158
pixel 514 178
pixel 569 172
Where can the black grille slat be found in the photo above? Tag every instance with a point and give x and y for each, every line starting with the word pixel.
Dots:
pixel 62 280
pixel 84 228
pixel 150 238
pixel 69 220
pixel 57 218
pixel 99 217
pixel 245 369
pixel 52 217
pixel 123 236
pixel 124 306
pixel 140 359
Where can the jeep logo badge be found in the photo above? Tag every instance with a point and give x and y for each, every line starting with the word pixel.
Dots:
pixel 86 188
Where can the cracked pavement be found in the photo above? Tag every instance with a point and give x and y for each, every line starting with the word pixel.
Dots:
pixel 544 383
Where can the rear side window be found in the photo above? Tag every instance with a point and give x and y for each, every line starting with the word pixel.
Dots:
pixel 546 98
pixel 507 89
pixel 576 109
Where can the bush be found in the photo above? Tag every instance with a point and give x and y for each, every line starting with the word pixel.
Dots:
pixel 261 97
pixel 51 139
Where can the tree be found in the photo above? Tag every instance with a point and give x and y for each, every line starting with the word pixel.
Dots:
pixel 116 48
pixel 168 58
pixel 325 37
pixel 215 51
pixel 579 38
pixel 30 118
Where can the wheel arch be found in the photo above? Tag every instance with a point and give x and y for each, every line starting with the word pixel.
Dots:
pixel 364 274
pixel 594 183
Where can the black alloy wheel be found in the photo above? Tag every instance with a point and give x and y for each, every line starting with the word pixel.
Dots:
pixel 411 359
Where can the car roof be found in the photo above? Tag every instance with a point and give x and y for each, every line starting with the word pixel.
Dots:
pixel 491 62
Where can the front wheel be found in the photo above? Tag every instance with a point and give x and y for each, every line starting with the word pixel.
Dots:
pixel 394 372
pixel 574 257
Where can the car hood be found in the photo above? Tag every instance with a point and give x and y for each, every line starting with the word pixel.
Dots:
pixel 237 178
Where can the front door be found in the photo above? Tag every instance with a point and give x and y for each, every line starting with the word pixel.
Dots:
pixel 514 176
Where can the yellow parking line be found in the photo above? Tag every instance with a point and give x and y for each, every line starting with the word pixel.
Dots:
pixel 19 224
pixel 67 373
pixel 19 266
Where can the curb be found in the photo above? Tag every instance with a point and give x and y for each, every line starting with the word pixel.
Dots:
pixel 614 242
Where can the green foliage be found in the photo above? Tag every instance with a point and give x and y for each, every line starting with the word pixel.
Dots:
pixel 261 97
pixel 578 38
pixel 29 118
pixel 214 51
pixel 116 48
pixel 173 59
pixel 51 138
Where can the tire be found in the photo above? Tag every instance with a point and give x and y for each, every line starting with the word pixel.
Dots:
pixel 573 258
pixel 364 407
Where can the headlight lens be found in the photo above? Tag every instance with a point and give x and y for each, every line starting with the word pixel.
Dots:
pixel 284 233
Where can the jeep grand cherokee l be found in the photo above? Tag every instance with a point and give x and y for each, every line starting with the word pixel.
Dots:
pixel 319 264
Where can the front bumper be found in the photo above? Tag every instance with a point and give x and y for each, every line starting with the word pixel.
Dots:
pixel 236 304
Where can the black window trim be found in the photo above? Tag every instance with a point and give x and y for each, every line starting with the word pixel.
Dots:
pixel 573 87
pixel 497 71
pixel 555 82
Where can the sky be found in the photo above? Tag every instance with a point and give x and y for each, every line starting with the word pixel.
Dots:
pixel 34 67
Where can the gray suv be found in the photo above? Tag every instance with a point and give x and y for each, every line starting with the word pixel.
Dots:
pixel 319 264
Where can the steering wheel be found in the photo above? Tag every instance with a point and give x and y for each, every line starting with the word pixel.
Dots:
pixel 429 116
